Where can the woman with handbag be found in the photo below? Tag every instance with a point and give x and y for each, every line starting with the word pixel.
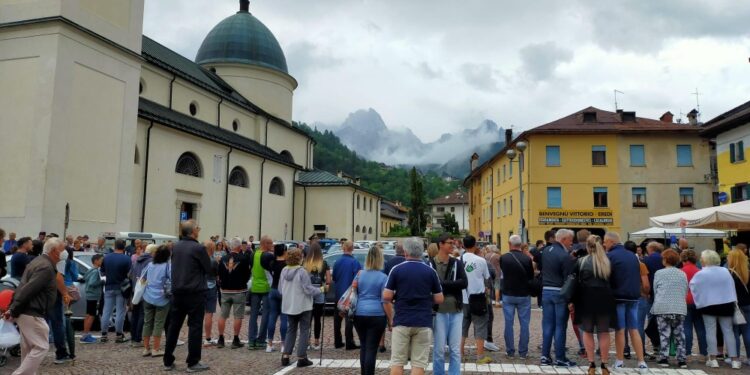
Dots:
pixel 297 303
pixel 670 307
pixel 737 262
pixel 715 298
pixel 156 300
pixel 369 317
pixel 594 303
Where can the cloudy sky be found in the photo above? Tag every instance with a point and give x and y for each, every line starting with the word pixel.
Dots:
pixel 439 66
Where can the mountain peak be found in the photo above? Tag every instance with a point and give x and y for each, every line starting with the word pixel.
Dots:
pixel 366 120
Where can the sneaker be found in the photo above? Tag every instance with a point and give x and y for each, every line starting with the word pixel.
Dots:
pixel 88 339
pixel 62 360
pixel 157 353
pixel 643 368
pixel 736 365
pixel 728 360
pixel 121 339
pixel 484 360
pixel 712 363
pixel 304 362
pixel 682 364
pixel 619 366
pixel 168 367
pixel 269 348
pixel 146 352
pixel 252 345
pixel 198 367
pixel 352 347
pixel 490 346
pixel 180 342
pixel 663 362
pixel 103 339
pixel 236 344
pixel 220 342
pixel 564 363
pixel 285 361
pixel 207 342
pixel 544 361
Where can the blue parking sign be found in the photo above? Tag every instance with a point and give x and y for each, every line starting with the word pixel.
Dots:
pixel 183 216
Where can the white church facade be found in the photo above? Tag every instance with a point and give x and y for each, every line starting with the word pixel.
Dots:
pixel 133 136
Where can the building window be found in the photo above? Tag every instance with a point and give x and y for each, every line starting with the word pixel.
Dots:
pixel 453 209
pixel 369 230
pixel 499 210
pixel 686 197
pixel 639 197
pixel 189 164
pixel 553 156
pixel 235 124
pixel 277 187
pixel 137 157
pixel 238 177
pixel 193 108
pixel 370 204
pixel 510 170
pixel 356 229
pixel 358 201
pixel 503 172
pixel 505 207
pixel 598 155
pixel 364 229
pixel 637 156
pixel 554 197
pixel 684 156
pixel 600 197
pixel 740 192
pixel 498 176
pixel 737 152
pixel 441 209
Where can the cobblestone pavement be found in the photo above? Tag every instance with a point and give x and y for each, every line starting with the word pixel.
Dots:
pixel 121 359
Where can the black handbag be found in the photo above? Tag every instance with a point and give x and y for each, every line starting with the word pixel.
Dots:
pixel 535 284
pixel 568 290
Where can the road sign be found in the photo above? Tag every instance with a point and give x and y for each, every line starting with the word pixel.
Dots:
pixel 183 215
pixel 723 197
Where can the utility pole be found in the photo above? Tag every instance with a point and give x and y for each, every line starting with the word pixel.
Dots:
pixel 617 92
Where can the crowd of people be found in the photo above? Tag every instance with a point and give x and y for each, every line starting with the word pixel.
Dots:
pixel 603 286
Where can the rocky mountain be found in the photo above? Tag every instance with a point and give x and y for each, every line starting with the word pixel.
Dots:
pixel 365 132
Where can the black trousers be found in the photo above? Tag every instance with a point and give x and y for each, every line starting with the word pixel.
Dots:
pixel 317 314
pixel 348 330
pixel 369 329
pixel 191 306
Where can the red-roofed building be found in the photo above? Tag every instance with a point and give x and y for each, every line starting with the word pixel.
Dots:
pixel 456 203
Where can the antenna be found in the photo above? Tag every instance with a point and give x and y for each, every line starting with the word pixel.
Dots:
pixel 697 103
pixel 617 92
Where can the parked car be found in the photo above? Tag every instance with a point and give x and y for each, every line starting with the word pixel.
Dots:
pixel 360 256
pixel 146 238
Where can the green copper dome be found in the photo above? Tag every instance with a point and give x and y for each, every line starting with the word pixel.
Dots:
pixel 243 39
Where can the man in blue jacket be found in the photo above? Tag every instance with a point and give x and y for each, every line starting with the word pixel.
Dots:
pixel 626 288
pixel 557 264
pixel 344 271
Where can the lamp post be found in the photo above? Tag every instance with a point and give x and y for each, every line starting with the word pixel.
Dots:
pixel 512 153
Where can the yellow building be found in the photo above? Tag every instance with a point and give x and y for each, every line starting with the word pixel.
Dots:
pixel 391 214
pixel 593 169
pixel 731 131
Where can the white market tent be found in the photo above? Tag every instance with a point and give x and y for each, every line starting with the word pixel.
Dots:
pixel 655 232
pixel 735 216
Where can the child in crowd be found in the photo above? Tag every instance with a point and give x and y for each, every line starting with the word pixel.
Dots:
pixel 94 286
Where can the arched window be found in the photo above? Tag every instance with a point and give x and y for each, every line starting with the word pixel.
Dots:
pixel 364 229
pixel 287 155
pixel 137 158
pixel 277 187
pixel 238 177
pixel 369 230
pixel 357 229
pixel 189 164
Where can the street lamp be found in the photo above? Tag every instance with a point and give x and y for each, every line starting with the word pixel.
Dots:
pixel 512 153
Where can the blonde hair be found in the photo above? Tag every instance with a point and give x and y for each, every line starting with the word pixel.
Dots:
pixel 432 250
pixel 314 260
pixel 151 249
pixel 737 262
pixel 599 260
pixel 374 259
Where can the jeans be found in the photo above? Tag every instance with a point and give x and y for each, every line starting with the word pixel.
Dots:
pixel 256 301
pixel 511 304
pixel 191 306
pixel 112 297
pixel 274 307
pixel 348 332
pixel 57 328
pixel 447 329
pixel 299 322
pixel 694 319
pixel 136 323
pixel 743 330
pixel 725 324
pixel 369 329
pixel 554 323
pixel 644 309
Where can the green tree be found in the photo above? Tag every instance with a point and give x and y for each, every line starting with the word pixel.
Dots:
pixel 417 216
pixel 450 224
pixel 399 231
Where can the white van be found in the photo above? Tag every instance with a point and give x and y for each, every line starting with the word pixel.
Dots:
pixel 146 238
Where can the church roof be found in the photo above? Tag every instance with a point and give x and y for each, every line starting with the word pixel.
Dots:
pixel 319 177
pixel 176 120
pixel 243 39
pixel 173 62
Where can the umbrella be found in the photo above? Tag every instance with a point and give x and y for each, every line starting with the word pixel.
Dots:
pixel 735 216
pixel 655 232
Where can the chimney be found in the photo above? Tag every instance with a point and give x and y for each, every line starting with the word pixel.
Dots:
pixel 357 181
pixel 693 117
pixel 340 174
pixel 474 161
pixel 627 116
pixel 666 117
pixel 508 136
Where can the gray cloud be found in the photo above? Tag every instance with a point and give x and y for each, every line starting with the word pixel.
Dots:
pixel 305 58
pixel 479 76
pixel 428 71
pixel 541 60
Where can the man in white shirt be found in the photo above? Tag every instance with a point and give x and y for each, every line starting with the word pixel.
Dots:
pixel 475 298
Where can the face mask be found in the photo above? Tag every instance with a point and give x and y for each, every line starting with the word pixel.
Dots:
pixel 64 255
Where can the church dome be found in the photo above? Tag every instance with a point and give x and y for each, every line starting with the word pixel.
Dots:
pixel 242 39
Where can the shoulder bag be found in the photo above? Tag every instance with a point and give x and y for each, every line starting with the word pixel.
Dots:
pixel 535 284
pixel 738 318
pixel 140 286
pixel 570 285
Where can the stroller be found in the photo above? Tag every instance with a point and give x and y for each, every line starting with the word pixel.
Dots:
pixel 9 337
